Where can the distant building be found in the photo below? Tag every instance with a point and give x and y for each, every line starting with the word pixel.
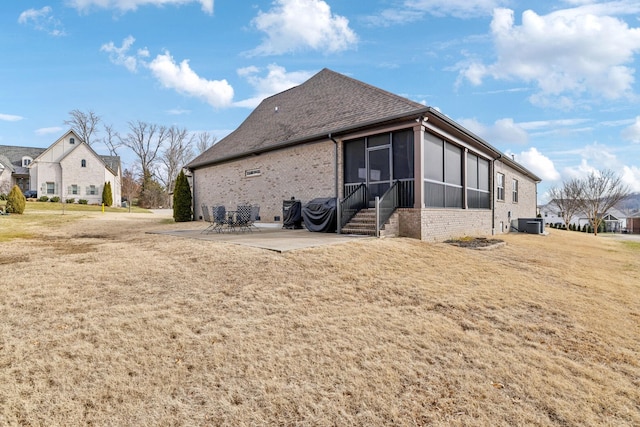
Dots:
pixel 69 169
pixel 615 221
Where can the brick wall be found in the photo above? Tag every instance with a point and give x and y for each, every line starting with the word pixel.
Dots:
pixel 304 172
pixel 442 224
pixel 508 210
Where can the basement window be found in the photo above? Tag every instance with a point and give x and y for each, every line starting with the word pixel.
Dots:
pixel 252 172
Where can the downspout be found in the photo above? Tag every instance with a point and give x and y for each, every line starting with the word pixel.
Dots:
pixel 335 157
pixel 493 196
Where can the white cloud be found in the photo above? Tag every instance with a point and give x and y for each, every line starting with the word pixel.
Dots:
pixel 504 131
pixel 120 55
pixel 49 131
pixel 567 53
pixel 537 163
pixel 596 157
pixel 415 10
pixel 456 8
pixel 632 133
pixel 631 176
pixel 10 117
pixel 295 25
pixel 276 81
pixel 42 20
pixel 132 5
pixel 183 79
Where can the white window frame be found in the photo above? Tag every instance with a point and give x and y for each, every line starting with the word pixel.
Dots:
pixel 514 193
pixel 500 186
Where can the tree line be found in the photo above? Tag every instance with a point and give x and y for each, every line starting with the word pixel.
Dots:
pixel 160 153
pixel 593 195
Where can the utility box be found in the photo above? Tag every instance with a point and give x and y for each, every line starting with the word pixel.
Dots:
pixel 531 225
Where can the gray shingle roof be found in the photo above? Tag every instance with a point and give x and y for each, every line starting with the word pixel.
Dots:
pixel 326 103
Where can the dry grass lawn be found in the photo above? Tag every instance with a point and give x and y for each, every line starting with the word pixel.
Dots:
pixel 103 324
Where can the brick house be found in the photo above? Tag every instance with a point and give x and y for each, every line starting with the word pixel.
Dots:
pixel 69 168
pixel 334 136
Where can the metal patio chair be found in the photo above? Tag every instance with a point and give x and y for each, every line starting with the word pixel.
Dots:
pixel 220 218
pixel 207 217
pixel 243 217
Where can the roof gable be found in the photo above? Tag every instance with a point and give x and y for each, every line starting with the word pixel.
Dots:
pixel 325 103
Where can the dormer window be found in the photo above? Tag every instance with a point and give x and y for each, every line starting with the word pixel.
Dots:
pixel 26 161
pixel 83 163
pixel 72 140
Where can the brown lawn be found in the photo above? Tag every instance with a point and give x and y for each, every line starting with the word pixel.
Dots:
pixel 103 324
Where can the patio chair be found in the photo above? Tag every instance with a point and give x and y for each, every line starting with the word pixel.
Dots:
pixel 243 217
pixel 220 219
pixel 255 216
pixel 207 217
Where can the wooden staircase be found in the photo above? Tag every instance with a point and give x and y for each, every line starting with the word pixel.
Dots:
pixel 364 223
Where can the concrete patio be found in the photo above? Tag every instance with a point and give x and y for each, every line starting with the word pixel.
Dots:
pixel 269 236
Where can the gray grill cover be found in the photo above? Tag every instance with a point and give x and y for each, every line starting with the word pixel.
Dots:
pixel 320 215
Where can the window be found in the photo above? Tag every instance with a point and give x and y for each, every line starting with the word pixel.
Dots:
pixel 83 163
pixel 72 140
pixel 73 189
pixel 354 163
pixel 500 186
pixel 51 188
pixel 91 190
pixel 478 194
pixel 26 161
pixel 252 172
pixel 515 191
pixel 443 173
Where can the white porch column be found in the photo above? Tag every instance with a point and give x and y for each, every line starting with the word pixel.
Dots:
pixel 418 166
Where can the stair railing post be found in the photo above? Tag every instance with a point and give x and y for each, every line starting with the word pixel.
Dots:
pixel 339 215
pixel 377 216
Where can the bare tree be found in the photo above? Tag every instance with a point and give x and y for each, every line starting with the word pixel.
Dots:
pixel 110 140
pixel 130 186
pixel 567 199
pixel 177 153
pixel 204 141
pixel 145 140
pixel 83 124
pixel 601 191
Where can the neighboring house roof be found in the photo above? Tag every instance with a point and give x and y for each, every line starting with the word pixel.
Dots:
pixel 6 163
pixel 329 103
pixel 112 163
pixel 15 155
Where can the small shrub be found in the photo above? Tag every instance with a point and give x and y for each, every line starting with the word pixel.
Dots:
pixel 43 199
pixel 72 200
pixel 107 196
pixel 16 202
pixel 3 196
pixel 55 199
pixel 83 201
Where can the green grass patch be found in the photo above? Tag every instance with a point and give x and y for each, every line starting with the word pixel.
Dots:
pixel 632 245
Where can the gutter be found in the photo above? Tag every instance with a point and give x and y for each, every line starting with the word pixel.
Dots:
pixel 335 156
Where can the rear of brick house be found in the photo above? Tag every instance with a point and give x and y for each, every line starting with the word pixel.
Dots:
pixel 333 136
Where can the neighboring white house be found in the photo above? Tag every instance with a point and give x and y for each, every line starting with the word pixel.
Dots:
pixel 614 219
pixel 69 169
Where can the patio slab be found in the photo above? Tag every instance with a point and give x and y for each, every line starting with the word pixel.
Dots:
pixel 271 238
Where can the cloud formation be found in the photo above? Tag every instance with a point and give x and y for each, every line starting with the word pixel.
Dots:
pixel 49 130
pixel 42 20
pixel 537 163
pixel 632 133
pixel 217 93
pixel 277 80
pixel 295 25
pixel 132 5
pixel 415 10
pixel 120 55
pixel 504 131
pixel 567 53
pixel 10 117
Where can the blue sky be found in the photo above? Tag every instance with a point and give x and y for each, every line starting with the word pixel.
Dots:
pixel 553 83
